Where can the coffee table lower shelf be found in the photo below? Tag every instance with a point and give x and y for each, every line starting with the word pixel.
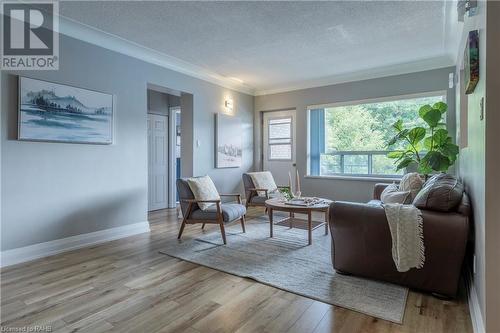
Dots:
pixel 294 222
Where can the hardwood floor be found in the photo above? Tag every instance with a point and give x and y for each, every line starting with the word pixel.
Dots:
pixel 127 286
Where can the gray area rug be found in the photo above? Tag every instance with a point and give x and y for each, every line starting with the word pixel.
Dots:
pixel 286 262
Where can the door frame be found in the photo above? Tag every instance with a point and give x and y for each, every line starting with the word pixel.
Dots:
pixel 294 133
pixel 172 163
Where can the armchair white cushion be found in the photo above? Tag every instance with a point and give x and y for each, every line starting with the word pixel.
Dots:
pixel 263 180
pixel 203 189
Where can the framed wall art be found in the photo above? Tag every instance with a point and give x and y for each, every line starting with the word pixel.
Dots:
pixel 60 113
pixel 471 62
pixel 228 141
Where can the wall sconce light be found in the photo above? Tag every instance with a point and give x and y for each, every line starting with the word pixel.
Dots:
pixel 228 104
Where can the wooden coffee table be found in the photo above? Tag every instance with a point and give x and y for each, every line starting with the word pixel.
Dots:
pixel 279 205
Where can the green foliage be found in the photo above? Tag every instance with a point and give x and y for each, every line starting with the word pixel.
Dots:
pixel 436 152
pixel 286 193
pixel 365 127
pixel 352 128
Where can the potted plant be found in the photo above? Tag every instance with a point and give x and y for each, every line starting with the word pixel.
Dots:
pixel 430 148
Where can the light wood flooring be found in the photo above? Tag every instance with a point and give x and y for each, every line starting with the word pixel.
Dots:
pixel 127 286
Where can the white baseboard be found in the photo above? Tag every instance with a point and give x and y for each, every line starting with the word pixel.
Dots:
pixel 474 308
pixel 40 250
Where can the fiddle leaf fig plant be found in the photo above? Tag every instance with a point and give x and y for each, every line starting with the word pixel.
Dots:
pixel 430 148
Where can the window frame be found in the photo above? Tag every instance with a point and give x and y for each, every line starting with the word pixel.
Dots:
pixel 269 144
pixel 434 93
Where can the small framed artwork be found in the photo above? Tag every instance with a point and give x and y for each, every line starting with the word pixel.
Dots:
pixel 471 62
pixel 60 113
pixel 228 141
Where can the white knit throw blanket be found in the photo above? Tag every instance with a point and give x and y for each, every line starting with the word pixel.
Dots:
pixel 406 225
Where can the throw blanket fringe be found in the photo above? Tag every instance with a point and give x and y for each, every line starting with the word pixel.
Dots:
pixel 406 226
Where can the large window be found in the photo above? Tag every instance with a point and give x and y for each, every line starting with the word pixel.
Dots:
pixel 352 139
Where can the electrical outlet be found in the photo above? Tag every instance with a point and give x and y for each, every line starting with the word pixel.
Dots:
pixel 474 264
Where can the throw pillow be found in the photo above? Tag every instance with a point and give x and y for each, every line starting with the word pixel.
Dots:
pixel 411 182
pixel 441 192
pixel 263 180
pixel 203 189
pixel 392 194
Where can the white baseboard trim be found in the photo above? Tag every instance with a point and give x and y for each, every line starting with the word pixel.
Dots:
pixel 40 250
pixel 474 308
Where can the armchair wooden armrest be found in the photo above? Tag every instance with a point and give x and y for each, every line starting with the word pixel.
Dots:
pixel 257 190
pixel 194 201
pixel 236 195
pixel 200 201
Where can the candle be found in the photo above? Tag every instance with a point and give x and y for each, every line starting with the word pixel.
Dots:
pixel 290 181
pixel 298 181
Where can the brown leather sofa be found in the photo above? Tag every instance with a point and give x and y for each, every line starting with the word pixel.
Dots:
pixel 361 244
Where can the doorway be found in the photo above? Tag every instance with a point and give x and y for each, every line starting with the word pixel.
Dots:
pixel 163 121
pixel 278 144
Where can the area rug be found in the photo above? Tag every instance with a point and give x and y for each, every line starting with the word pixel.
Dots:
pixel 287 263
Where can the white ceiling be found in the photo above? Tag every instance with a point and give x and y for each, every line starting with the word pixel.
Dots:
pixel 277 46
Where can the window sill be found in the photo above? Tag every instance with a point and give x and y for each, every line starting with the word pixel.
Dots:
pixel 358 178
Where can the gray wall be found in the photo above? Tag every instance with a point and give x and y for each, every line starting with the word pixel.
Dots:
pixel 472 158
pixel 492 246
pixel 480 161
pixel 160 102
pixel 174 100
pixel 55 190
pixel 157 102
pixel 337 189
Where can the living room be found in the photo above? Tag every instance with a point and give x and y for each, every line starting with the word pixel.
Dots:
pixel 250 166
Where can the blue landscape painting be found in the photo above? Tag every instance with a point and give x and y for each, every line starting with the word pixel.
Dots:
pixel 55 112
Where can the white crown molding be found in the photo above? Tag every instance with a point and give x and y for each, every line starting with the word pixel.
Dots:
pixel 92 35
pixel 474 307
pixel 372 73
pixel 40 250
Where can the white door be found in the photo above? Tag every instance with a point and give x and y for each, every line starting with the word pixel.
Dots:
pixel 157 161
pixel 279 145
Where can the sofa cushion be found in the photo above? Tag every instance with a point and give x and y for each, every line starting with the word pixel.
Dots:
pixel 203 188
pixel 230 212
pixel 411 182
pixel 441 192
pixel 392 194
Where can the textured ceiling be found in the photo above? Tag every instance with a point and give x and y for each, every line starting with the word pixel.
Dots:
pixel 275 45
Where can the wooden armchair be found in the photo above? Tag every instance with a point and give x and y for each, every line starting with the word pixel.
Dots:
pixel 219 213
pixel 257 196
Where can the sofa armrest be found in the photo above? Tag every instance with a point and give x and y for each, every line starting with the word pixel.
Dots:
pixel 378 189
pixel 200 201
